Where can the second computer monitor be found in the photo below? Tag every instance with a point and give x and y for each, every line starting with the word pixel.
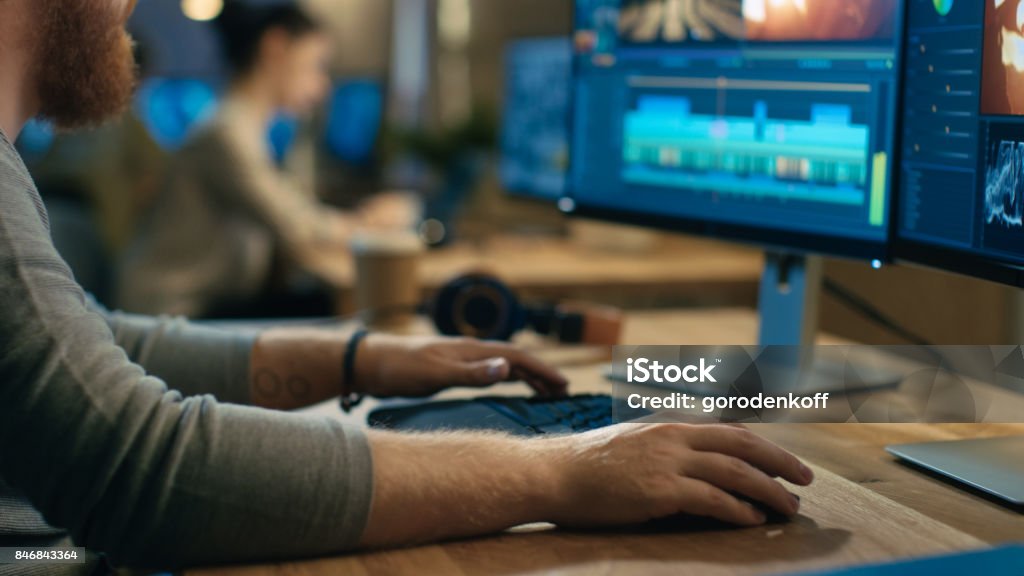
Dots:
pixel 172 108
pixel 535 126
pixel 768 121
pixel 963 161
pixel 355 120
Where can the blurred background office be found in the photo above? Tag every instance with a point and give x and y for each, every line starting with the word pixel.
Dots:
pixel 446 117
pixel 228 217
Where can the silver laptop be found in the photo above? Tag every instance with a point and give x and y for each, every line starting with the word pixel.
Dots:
pixel 991 465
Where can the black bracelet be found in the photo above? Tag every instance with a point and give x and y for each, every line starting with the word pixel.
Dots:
pixel 350 399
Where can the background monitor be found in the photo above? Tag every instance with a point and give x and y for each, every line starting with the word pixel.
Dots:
pixel 535 125
pixel 281 136
pixel 769 121
pixel 962 178
pixel 36 139
pixel 355 119
pixel 171 107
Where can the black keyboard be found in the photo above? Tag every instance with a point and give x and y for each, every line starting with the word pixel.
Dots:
pixel 524 416
pixel 573 414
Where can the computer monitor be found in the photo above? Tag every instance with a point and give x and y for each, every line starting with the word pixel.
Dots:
pixel 355 118
pixel 535 123
pixel 281 136
pixel 962 181
pixel 766 121
pixel 36 139
pixel 171 108
pixel 962 178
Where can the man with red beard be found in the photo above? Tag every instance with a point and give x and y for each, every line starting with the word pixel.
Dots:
pixel 155 443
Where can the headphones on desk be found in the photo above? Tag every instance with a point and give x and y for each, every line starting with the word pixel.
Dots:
pixel 481 306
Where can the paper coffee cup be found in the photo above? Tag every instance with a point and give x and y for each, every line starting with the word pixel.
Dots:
pixel 387 291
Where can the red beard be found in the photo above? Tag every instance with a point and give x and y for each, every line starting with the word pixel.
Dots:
pixel 85 73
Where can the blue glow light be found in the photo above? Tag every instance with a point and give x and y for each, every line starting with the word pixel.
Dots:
pixel 171 108
pixel 356 114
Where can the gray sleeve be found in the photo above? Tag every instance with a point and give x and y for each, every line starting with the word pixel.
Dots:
pixel 133 469
pixel 191 359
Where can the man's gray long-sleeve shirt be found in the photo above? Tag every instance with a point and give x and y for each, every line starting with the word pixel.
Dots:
pixel 156 467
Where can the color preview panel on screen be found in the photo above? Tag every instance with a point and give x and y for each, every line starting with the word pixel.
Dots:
pixel 769 121
pixel 962 177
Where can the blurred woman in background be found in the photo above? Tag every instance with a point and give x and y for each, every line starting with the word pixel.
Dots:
pixel 227 214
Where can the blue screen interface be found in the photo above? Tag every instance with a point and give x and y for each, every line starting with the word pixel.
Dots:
pixel 963 143
pixel 171 108
pixel 765 115
pixel 355 120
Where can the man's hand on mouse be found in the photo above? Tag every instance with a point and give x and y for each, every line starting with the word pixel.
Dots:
pixel 389 366
pixel 621 475
pixel 633 473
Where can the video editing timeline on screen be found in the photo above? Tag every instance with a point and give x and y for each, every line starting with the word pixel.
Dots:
pixel 963 173
pixel 775 114
pixel 814 153
pixel 535 139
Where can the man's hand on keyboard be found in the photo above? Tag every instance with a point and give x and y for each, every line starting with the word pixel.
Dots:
pixel 634 473
pixel 388 366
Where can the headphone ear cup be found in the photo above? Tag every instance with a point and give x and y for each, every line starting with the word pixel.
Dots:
pixel 441 307
pixel 478 306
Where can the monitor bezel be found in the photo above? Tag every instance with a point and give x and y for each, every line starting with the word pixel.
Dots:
pixel 770 239
pixel 954 261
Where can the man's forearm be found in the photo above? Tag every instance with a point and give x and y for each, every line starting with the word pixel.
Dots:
pixel 435 487
pixel 293 368
pixel 443 486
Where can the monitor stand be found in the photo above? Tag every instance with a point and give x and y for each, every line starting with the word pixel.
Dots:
pixel 788 303
pixel 788 306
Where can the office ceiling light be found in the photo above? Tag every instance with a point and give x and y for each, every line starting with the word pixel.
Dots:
pixel 202 10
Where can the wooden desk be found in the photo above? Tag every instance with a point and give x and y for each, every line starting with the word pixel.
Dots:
pixel 683 269
pixel 864 506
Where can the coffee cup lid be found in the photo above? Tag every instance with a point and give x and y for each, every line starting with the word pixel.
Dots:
pixel 386 243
